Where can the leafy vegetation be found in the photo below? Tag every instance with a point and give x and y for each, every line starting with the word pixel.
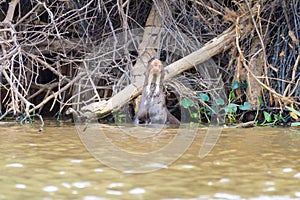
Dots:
pixel 235 110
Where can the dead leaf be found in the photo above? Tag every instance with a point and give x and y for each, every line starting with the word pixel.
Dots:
pixel 294 116
pixel 281 54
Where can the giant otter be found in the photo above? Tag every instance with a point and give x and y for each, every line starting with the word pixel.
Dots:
pixel 152 107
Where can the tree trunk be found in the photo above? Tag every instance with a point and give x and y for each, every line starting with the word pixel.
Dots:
pixel 256 66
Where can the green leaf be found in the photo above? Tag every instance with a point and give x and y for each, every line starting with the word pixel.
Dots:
pixel 186 103
pixel 235 85
pixel 244 85
pixel 245 106
pixel 231 108
pixel 194 115
pixel 232 95
pixel 219 101
pixel 277 117
pixel 203 97
pixel 293 110
pixel 267 116
pixel 227 110
pixel 120 116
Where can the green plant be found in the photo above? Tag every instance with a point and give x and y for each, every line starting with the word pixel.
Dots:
pixel 196 113
pixel 267 117
pixel 120 118
pixel 231 108
pixel 188 104
pixel 271 119
pixel 245 106
pixel 205 98
pixel 278 118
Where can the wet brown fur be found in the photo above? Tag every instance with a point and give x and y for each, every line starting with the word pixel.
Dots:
pixel 152 108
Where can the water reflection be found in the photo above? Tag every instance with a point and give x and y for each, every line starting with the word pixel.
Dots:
pixel 136 149
pixel 255 163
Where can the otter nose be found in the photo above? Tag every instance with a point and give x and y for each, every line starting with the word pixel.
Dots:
pixel 156 62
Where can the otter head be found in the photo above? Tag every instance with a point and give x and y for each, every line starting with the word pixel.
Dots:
pixel 156 66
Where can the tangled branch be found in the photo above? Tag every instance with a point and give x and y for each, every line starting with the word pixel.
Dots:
pixel 96 48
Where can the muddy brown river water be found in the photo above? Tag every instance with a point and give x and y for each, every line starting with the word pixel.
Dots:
pixel 254 163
